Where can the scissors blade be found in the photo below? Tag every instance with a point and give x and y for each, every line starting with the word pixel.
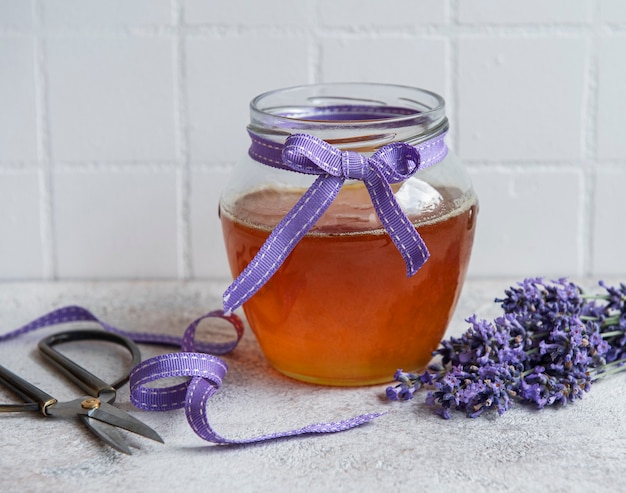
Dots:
pixel 106 433
pixel 105 413
pixel 116 417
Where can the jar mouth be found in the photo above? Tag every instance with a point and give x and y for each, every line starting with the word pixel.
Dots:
pixel 339 112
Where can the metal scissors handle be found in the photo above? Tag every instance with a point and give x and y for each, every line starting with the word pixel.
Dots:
pixel 94 410
pixel 84 379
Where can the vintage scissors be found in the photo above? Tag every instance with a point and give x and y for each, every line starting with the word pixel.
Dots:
pixel 96 409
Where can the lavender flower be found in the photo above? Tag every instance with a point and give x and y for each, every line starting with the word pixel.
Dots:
pixel 472 390
pixel 409 383
pixel 551 343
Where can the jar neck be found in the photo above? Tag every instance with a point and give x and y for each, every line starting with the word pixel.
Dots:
pixel 360 117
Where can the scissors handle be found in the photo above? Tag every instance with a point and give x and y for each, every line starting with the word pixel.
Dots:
pixel 80 376
pixel 37 398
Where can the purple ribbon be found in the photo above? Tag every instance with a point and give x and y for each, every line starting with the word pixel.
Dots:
pixel 73 313
pixel 307 154
pixel 206 373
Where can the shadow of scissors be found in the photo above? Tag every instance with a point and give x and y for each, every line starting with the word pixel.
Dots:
pixel 95 409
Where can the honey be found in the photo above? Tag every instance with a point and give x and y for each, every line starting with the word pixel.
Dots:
pixel 341 309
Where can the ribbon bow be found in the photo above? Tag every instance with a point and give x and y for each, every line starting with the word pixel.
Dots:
pixel 391 164
pixel 307 154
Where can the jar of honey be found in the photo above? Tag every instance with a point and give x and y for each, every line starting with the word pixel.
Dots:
pixel 348 228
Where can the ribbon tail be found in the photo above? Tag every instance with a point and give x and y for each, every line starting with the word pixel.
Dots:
pixel 282 241
pixel 61 315
pixel 402 232
pixel 199 392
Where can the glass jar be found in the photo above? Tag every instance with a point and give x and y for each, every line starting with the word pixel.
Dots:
pixel 340 309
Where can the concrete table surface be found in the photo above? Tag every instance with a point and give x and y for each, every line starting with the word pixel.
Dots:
pixel 581 447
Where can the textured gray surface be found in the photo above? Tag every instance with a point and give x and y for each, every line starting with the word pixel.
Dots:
pixel 578 448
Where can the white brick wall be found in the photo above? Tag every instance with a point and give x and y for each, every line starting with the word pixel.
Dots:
pixel 120 121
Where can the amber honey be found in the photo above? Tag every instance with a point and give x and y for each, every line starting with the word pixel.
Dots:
pixel 341 310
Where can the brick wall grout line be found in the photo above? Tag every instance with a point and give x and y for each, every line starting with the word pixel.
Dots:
pixel 589 147
pixel 315 45
pixel 44 149
pixel 453 72
pixel 181 123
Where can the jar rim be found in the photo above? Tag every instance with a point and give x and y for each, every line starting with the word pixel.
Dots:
pixel 324 107
pixel 414 99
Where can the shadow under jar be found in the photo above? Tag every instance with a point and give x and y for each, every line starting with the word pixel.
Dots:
pixel 341 309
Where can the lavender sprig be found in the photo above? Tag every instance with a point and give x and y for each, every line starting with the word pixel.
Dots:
pixel 550 344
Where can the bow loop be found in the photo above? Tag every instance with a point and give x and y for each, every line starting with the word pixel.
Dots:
pixel 398 161
pixel 308 154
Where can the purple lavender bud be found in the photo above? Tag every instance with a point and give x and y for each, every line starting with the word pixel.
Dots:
pixel 392 394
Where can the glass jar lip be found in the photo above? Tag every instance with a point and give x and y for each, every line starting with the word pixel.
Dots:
pixel 306 104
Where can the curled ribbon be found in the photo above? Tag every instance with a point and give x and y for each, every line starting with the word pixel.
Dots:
pixel 206 373
pixel 307 154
